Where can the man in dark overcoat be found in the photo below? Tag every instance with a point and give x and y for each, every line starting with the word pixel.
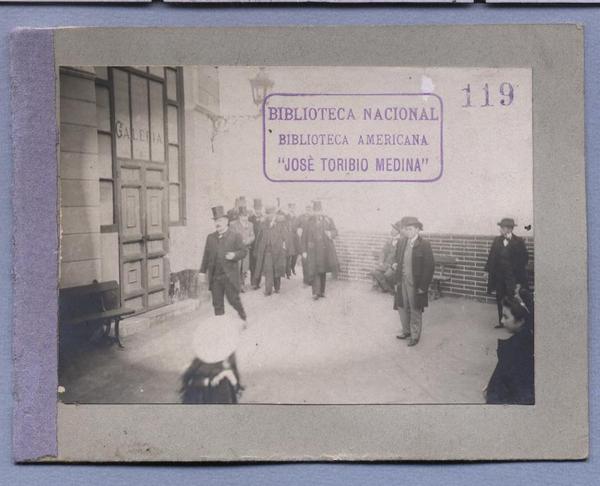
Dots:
pixel 255 218
pixel 414 265
pixel 293 241
pixel 302 222
pixel 222 253
pixel 318 249
pixel 506 265
pixel 270 251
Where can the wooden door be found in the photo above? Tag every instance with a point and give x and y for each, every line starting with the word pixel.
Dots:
pixel 140 127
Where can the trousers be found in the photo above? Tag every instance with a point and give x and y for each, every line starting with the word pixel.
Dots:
pixel 318 284
pixel 221 287
pixel 410 317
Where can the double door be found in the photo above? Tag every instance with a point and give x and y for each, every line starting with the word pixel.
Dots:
pixel 140 150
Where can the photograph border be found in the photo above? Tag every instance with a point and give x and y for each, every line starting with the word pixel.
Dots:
pixel 358 432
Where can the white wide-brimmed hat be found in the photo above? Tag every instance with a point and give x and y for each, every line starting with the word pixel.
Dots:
pixel 216 337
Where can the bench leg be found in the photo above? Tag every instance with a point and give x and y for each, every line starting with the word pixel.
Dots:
pixel 117 338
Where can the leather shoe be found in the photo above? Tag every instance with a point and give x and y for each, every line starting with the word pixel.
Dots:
pixel 498 326
pixel 402 336
pixel 411 342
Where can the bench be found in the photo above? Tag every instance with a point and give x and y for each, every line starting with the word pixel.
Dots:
pixel 96 303
pixel 442 262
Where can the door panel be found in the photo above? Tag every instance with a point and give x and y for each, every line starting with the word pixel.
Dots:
pixel 143 225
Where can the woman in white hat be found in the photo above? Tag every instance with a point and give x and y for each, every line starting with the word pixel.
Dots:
pixel 212 377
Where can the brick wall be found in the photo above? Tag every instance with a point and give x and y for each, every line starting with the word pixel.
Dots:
pixel 357 253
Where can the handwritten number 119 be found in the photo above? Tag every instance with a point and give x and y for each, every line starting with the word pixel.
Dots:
pixel 506 95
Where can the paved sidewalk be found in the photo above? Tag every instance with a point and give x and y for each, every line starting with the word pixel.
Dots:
pixel 341 349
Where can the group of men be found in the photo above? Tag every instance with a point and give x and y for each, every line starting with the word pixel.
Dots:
pixel 406 267
pixel 266 244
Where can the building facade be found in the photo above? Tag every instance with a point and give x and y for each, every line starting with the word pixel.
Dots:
pixel 131 140
pixel 146 151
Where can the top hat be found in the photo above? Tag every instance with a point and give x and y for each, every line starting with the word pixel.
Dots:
pixel 216 338
pixel 411 221
pixel 232 214
pixel 508 222
pixel 317 206
pixel 218 212
pixel 240 202
pixel 258 204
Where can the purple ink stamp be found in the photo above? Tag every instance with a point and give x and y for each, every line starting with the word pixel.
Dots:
pixel 353 137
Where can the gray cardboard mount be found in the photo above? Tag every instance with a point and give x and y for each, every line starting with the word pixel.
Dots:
pixel 556 427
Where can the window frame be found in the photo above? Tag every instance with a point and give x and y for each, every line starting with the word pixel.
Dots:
pixel 179 105
pixel 107 83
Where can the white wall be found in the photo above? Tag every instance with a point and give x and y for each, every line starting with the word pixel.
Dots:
pixel 487 153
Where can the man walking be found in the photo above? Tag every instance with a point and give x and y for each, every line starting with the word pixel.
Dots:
pixel 222 252
pixel 414 265
pixel 270 251
pixel 318 249
pixel 256 219
pixel 506 265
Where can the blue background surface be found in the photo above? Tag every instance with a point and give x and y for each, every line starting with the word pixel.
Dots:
pixel 156 14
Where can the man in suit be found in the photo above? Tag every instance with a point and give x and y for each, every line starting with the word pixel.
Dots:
pixel 270 251
pixel 302 222
pixel 222 252
pixel 318 249
pixel 256 219
pixel 506 265
pixel 414 266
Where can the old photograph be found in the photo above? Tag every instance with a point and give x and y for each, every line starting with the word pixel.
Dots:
pixel 296 235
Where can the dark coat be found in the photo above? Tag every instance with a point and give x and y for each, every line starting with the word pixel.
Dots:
pixel 197 389
pixel 423 266
pixel 513 378
pixel 273 237
pixel 293 246
pixel 516 273
pixel 319 248
pixel 233 242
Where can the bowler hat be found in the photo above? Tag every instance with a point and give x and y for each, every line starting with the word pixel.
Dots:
pixel 218 212
pixel 317 206
pixel 411 221
pixel 508 222
pixel 397 226
pixel 258 204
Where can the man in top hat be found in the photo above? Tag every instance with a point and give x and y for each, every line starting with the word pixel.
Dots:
pixel 318 249
pixel 383 274
pixel 256 219
pixel 271 251
pixel 414 265
pixel 506 265
pixel 222 252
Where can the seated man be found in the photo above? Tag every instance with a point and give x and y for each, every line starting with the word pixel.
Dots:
pixel 383 274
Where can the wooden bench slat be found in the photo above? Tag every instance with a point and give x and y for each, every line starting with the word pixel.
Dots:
pixel 123 311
